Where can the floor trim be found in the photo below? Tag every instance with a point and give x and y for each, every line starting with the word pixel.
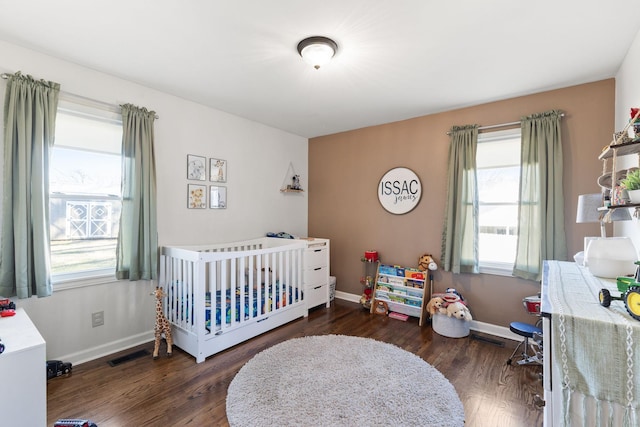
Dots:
pixel 486 328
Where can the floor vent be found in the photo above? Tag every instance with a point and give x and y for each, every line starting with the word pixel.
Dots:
pixel 487 340
pixel 127 357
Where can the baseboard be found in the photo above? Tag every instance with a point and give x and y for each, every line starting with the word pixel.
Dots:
pixel 145 337
pixel 107 349
pixel 495 330
pixel 347 297
pixel 485 328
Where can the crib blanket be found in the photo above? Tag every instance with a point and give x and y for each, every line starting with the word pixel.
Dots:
pixel 266 303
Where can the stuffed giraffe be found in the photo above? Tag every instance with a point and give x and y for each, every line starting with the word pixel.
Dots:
pixel 162 325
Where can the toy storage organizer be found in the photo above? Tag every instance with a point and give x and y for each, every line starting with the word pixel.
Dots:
pixel 403 290
pixel 221 295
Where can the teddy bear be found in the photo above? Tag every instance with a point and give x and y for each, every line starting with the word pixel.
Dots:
pixel 426 262
pixel 459 311
pixel 434 305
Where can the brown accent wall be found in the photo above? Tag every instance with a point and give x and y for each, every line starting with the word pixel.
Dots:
pixel 345 168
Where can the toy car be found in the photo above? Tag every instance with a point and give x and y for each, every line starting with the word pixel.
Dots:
pixel 630 294
pixel 7 304
pixel 74 422
pixel 56 368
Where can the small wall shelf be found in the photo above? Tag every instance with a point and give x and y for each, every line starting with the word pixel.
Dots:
pixel 291 182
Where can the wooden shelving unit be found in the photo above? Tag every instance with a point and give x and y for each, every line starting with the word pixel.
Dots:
pixel 610 176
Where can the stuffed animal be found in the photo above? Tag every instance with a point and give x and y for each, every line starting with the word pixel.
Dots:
pixel 162 325
pixel 426 262
pixel 434 305
pixel 454 292
pixel 365 299
pixel 459 311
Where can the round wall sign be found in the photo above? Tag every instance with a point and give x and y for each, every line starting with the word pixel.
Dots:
pixel 399 190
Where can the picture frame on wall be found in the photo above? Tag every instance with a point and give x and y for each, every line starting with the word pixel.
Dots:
pixel 218 197
pixel 218 170
pixel 196 196
pixel 196 167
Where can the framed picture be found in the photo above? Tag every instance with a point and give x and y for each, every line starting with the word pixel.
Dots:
pixel 197 196
pixel 196 167
pixel 218 197
pixel 218 170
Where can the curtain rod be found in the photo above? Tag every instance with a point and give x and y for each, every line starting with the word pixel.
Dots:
pixel 501 125
pixel 80 99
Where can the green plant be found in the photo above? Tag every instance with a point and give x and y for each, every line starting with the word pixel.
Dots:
pixel 632 181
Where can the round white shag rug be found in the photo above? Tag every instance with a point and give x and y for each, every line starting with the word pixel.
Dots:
pixel 339 380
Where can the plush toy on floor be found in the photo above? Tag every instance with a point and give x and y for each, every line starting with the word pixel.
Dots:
pixel 162 325
pixel 434 305
pixel 459 311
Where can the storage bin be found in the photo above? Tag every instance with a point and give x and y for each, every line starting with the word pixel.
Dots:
pixel 332 287
pixel 451 327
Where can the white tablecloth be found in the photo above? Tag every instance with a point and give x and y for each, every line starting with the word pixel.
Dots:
pixel 597 348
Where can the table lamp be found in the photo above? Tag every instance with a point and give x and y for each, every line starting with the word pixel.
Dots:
pixel 588 205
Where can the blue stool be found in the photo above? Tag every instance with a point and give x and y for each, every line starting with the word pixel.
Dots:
pixel 527 331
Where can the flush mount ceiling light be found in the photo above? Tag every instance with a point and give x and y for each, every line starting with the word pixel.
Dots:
pixel 317 50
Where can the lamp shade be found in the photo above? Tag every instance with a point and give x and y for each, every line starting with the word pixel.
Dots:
pixel 317 50
pixel 588 205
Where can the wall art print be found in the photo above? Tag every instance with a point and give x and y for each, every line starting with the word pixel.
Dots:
pixel 218 170
pixel 197 196
pixel 218 197
pixel 196 167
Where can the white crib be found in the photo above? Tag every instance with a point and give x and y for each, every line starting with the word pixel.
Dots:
pixel 223 294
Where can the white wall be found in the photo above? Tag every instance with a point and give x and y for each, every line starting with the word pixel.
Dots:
pixel 258 157
pixel 627 96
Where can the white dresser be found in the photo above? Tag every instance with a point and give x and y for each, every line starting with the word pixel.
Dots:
pixel 316 272
pixel 23 369
pixel 591 367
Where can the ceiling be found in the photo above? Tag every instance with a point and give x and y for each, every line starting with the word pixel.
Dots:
pixel 397 59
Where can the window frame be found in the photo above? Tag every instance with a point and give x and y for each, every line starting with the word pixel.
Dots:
pixel 84 107
pixel 498 268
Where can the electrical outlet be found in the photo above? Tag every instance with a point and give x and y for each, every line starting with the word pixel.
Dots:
pixel 97 319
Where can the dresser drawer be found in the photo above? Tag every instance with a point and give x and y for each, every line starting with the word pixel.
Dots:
pixel 316 276
pixel 316 295
pixel 315 257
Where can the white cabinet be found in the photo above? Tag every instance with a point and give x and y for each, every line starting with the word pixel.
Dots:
pixel 591 372
pixel 316 272
pixel 23 396
pixel 402 290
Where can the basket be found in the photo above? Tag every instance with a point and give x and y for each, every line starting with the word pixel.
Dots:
pixel 451 327
pixel 332 288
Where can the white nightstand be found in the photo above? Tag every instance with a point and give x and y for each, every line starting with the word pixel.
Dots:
pixel 23 369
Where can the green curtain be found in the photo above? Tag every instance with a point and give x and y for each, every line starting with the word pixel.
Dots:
pixel 460 230
pixel 137 250
pixel 29 129
pixel 541 232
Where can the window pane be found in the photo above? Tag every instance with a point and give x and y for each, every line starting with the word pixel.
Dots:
pixel 497 248
pixel 498 171
pixel 85 186
pixel 499 185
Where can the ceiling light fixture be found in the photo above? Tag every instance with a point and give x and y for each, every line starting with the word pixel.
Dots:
pixel 317 50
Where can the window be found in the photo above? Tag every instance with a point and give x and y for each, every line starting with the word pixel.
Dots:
pixel 84 192
pixel 498 172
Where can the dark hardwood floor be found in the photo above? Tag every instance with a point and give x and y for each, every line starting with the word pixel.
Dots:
pixel 177 391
